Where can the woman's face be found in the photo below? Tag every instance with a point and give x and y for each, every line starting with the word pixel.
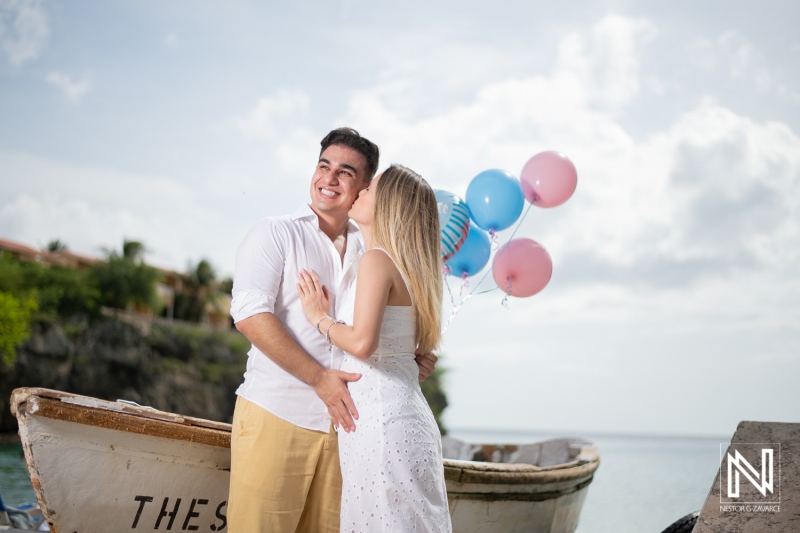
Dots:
pixel 364 207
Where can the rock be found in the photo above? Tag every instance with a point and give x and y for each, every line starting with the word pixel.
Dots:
pixel 49 340
pixel 187 369
pixel 118 342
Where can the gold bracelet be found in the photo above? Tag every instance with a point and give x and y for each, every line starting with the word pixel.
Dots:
pixel 320 322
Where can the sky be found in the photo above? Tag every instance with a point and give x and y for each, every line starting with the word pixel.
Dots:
pixel 674 305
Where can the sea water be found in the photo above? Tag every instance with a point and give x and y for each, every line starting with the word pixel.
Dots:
pixel 644 483
pixel 15 485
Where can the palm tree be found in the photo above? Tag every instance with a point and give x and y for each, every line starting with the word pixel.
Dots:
pixel 125 280
pixel 200 289
pixel 56 245
pixel 133 250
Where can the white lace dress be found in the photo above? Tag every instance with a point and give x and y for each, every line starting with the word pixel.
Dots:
pixel 392 465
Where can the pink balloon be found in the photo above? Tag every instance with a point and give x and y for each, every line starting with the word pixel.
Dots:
pixel 522 267
pixel 548 179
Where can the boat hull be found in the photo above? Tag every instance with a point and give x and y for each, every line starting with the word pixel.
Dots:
pixel 107 466
pixel 513 497
pixel 96 469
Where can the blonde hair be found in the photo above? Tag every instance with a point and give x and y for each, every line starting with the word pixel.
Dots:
pixel 406 224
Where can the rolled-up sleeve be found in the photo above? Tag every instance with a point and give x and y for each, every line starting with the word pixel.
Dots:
pixel 258 270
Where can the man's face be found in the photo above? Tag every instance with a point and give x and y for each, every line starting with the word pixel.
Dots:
pixel 340 174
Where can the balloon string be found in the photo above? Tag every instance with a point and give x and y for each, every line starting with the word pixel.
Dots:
pixel 486 291
pixel 504 301
pixel 446 270
pixel 494 241
pixel 456 309
pixel 519 223
pixel 464 285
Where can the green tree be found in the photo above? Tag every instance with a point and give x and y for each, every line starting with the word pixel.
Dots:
pixel 200 288
pixel 67 291
pixel 15 325
pixel 58 290
pixel 434 393
pixel 125 280
pixel 12 274
pixel 226 285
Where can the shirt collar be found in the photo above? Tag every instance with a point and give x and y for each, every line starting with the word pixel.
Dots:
pixel 354 231
pixel 305 211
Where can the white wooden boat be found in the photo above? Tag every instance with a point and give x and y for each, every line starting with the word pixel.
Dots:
pixel 99 466
pixel 107 466
pixel 516 488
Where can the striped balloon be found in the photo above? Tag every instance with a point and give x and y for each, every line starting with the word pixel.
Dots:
pixel 454 221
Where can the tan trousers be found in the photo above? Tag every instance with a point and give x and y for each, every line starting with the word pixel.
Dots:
pixel 284 478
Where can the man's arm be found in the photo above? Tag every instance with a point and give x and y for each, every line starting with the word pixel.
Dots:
pixel 427 364
pixel 270 336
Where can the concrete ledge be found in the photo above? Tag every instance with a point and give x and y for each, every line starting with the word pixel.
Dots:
pixel 746 509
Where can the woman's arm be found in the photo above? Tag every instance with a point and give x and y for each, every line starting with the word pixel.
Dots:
pixel 372 292
pixel 269 335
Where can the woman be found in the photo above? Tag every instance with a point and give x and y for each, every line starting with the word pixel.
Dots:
pixel 393 478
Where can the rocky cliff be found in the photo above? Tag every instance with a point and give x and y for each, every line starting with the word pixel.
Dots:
pixel 187 369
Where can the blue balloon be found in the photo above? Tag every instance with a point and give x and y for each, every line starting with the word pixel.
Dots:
pixel 473 255
pixel 495 199
pixel 453 221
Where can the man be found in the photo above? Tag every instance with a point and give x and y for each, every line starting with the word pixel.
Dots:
pixel 285 465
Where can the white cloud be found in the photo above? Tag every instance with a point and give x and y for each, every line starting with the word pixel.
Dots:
pixel 510 118
pixel 665 198
pixel 272 115
pixel 739 182
pixel 675 261
pixel 714 187
pixel 704 54
pixel 678 236
pixel 73 90
pixel 712 196
pixel 280 122
pixel 596 349
pixel 423 75
pixel 739 51
pixel 171 41
pixel 23 29
pixel 411 113
pixel 607 60
pixel 742 58
pixel 89 208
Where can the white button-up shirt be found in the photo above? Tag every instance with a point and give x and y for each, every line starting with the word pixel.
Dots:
pixel 267 265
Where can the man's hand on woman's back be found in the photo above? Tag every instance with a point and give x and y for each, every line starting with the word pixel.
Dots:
pixel 427 364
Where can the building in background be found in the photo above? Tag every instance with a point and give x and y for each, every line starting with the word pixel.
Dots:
pixel 170 286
